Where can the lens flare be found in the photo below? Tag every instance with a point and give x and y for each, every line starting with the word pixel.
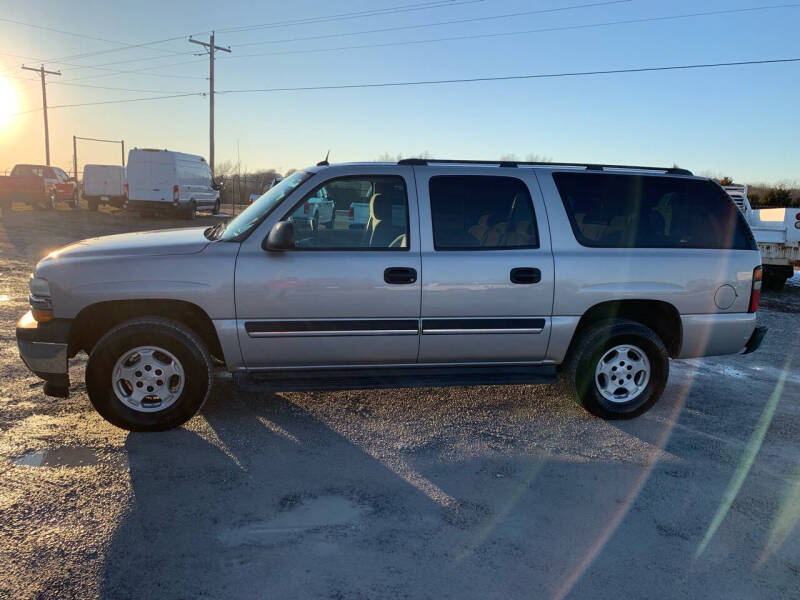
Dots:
pixel 8 101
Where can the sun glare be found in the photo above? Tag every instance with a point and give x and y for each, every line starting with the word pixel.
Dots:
pixel 8 101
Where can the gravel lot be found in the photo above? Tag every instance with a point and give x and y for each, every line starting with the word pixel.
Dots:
pixel 493 492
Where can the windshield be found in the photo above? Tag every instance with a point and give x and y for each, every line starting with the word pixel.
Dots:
pixel 259 209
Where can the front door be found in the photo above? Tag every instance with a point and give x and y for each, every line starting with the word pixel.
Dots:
pixel 487 266
pixel 346 294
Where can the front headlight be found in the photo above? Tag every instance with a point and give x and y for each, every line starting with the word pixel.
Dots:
pixel 39 287
pixel 40 300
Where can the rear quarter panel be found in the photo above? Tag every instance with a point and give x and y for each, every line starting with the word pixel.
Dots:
pixel 688 279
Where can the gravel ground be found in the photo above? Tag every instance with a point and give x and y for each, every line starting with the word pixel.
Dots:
pixel 492 492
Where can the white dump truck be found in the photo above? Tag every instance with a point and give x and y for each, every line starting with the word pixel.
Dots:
pixel 777 231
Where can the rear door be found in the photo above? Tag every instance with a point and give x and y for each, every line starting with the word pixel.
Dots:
pixel 487 266
pixel 151 176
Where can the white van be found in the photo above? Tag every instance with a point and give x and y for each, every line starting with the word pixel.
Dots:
pixel 161 180
pixel 104 184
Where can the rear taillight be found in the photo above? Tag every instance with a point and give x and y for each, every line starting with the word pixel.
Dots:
pixel 351 213
pixel 755 291
pixel 306 207
pixel 797 217
pixel 125 188
pixel 176 193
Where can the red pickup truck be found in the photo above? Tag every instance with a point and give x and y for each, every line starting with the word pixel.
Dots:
pixel 37 185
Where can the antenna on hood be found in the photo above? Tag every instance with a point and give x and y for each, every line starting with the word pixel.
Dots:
pixel 324 163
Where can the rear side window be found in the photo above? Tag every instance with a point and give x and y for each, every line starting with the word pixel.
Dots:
pixel 481 213
pixel 635 211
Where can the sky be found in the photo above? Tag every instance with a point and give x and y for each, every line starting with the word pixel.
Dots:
pixel 736 121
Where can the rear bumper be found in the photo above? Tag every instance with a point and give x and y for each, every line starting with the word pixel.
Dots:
pixel 715 334
pixel 44 349
pixel 755 340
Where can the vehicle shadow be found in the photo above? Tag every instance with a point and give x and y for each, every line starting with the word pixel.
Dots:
pixel 255 496
pixel 267 495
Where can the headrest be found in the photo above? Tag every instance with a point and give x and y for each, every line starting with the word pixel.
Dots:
pixel 380 208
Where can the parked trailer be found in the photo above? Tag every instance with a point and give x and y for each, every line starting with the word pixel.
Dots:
pixel 777 231
pixel 104 184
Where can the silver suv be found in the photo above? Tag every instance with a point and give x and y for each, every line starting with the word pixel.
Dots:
pixel 464 273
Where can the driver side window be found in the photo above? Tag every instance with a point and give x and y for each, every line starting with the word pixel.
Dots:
pixel 353 213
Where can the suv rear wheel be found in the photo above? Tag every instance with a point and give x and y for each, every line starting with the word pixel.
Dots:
pixel 617 369
pixel 149 374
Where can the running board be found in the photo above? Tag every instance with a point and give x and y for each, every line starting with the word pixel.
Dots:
pixel 396 377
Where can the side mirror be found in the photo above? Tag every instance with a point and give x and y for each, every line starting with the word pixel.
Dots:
pixel 281 237
pixel 218 183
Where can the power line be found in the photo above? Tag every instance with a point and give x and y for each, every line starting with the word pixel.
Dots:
pixel 443 81
pixel 514 77
pixel 86 85
pixel 120 49
pixel 82 36
pixel 309 20
pixel 116 89
pixel 25 112
pixel 518 32
pixel 74 67
pixel 353 15
pixel 149 72
pixel 437 24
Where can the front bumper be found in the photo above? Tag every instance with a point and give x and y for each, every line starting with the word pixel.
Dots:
pixel 44 349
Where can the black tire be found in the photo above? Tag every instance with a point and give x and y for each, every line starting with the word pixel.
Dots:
pixel 73 203
pixel 93 203
pixel 191 212
pixel 216 208
pixel 578 370
pixel 773 283
pixel 170 335
pixel 50 202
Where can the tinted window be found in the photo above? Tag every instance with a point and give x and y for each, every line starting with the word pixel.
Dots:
pixel 353 213
pixel 635 211
pixel 483 213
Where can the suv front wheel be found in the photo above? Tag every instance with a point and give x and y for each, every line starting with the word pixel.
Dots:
pixel 149 374
pixel 617 369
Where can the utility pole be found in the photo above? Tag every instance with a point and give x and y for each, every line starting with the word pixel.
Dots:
pixel 42 72
pixel 211 48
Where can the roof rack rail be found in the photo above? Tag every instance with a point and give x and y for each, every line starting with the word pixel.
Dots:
pixel 421 162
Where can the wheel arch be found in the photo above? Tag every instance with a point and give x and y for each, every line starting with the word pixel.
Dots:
pixel 95 320
pixel 662 317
